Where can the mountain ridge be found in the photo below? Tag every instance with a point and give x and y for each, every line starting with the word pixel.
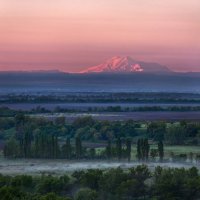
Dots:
pixel 126 64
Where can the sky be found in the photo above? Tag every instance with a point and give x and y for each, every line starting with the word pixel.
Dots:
pixel 71 35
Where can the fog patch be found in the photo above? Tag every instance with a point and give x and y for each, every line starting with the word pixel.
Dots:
pixel 34 167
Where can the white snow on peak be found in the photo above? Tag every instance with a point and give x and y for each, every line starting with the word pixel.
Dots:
pixel 125 64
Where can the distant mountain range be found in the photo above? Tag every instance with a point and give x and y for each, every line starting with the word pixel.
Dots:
pixel 125 64
pixel 118 74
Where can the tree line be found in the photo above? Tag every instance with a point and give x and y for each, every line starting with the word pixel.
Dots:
pixel 88 129
pixel 44 145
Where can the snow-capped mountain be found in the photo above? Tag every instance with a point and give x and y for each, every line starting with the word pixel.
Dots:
pixel 126 64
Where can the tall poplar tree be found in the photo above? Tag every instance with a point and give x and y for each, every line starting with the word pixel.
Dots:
pixel 68 149
pixel 161 150
pixel 78 146
pixel 139 153
pixel 119 148
pixel 128 149
pixel 109 150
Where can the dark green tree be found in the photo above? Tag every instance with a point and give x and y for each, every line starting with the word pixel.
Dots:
pixel 146 149
pixel 161 150
pixel 143 149
pixel 128 149
pixel 86 194
pixel 176 134
pixel 78 146
pixel 11 148
pixel 119 148
pixel 156 130
pixel 92 153
pixel 26 141
pixel 139 153
pixel 109 150
pixel 68 149
pixel 56 149
pixel 153 153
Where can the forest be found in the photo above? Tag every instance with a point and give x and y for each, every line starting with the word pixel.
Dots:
pixel 86 138
pixel 113 184
pixel 25 137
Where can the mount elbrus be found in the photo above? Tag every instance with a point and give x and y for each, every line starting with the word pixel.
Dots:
pixel 126 64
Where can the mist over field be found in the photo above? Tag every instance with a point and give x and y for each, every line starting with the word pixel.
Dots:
pixel 59 167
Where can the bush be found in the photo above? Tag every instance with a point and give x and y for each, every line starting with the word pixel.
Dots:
pixel 86 194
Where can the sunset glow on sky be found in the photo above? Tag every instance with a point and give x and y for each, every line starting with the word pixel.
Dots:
pixel 71 35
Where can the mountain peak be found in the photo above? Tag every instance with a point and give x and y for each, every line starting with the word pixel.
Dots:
pixel 126 64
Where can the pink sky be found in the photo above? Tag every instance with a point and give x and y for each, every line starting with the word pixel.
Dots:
pixel 71 35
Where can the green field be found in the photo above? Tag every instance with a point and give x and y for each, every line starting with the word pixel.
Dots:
pixel 182 149
pixel 175 149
